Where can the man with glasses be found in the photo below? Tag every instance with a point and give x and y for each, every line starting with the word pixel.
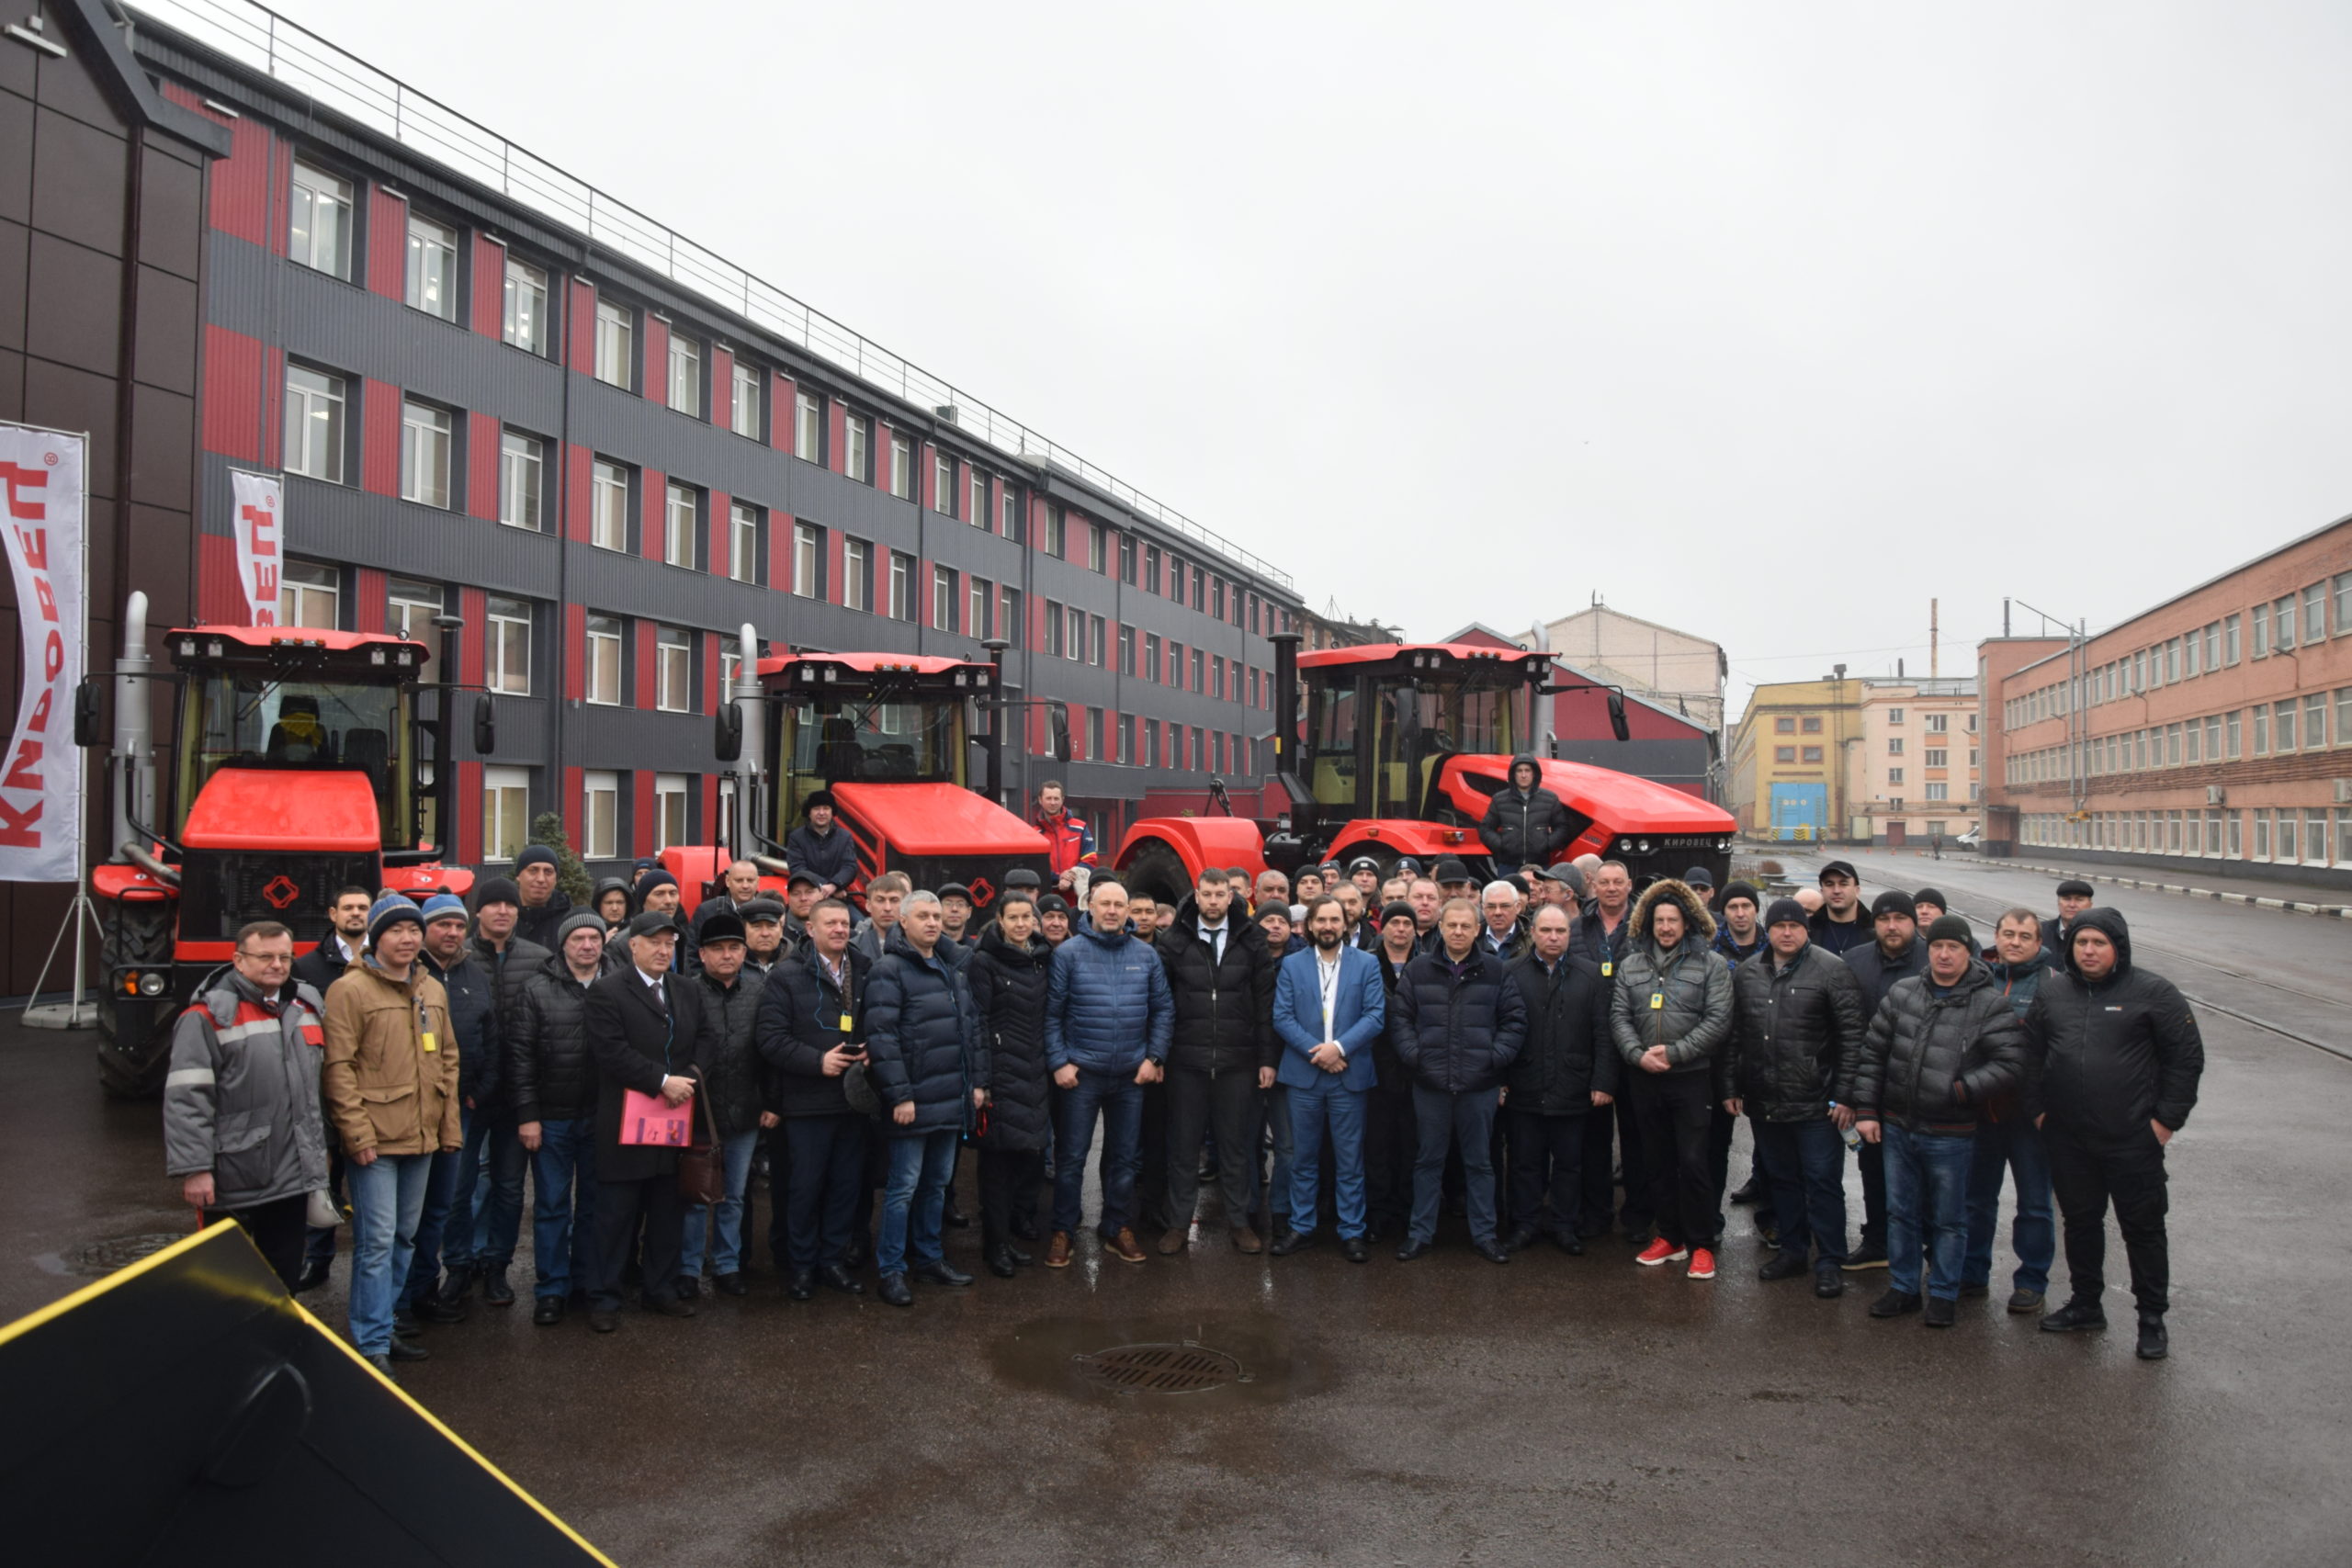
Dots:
pixel 245 1057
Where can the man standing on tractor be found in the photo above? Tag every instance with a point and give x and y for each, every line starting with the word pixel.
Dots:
pixel 822 850
pixel 1069 841
pixel 1525 824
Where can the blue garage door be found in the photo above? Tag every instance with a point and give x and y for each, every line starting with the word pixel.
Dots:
pixel 1800 811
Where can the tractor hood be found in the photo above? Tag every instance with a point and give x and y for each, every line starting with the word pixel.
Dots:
pixel 282 808
pixel 1622 800
pixel 937 819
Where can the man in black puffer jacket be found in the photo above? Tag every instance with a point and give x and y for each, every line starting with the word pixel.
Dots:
pixel 1525 823
pixel 1567 1066
pixel 2114 1057
pixel 551 1075
pixel 1457 1022
pixel 930 1069
pixel 730 1074
pixel 1945 1044
pixel 1796 1018
pixel 1007 973
pixel 1894 953
pixel 1222 1055
pixel 809 1035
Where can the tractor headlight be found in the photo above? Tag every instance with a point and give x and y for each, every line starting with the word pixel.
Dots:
pixel 150 984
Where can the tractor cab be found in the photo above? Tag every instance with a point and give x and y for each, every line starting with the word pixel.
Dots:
pixel 1383 721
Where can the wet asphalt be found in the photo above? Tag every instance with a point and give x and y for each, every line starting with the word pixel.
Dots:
pixel 1446 1411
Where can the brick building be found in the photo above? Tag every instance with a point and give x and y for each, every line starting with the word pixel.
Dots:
pixel 2216 727
pixel 1915 775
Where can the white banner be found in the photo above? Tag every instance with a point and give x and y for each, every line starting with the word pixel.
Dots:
pixel 261 532
pixel 44 473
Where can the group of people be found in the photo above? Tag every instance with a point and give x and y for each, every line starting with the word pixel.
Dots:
pixel 1351 1050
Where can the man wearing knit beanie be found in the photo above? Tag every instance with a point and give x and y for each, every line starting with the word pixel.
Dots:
pixel 544 904
pixel 1738 939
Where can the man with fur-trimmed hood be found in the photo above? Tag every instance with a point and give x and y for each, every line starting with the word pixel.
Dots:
pixel 1670 1013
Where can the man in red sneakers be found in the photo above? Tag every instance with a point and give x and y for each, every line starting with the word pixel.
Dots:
pixel 1670 1015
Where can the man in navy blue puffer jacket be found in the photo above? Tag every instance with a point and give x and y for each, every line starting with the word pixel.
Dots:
pixel 1109 1017
pixel 930 1064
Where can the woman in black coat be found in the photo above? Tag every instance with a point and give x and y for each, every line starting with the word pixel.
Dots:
pixel 1008 974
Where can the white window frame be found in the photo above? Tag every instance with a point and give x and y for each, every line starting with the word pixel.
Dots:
pixel 674 670
pixel 432 282
pixel 978 515
pixel 410 605
pixel 903 586
pixel 743 542
pixel 685 376
pixel 979 604
pixel 600 824
pixel 680 516
pixel 523 319
pixel 428 451
pixel 807 560
pixel 943 482
pixel 857 442
pixel 747 404
pixel 315 422
pixel 609 505
pixel 521 480
pixel 320 221
pixel 671 793
pixel 605 682
pixel 857 579
pixel 507 646
pixel 505 812
pixel 943 598
pixel 902 467
pixel 310 594
pixel 809 427
pixel 616 343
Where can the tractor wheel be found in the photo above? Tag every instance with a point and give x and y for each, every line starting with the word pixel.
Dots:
pixel 131 934
pixel 126 1076
pixel 1157 871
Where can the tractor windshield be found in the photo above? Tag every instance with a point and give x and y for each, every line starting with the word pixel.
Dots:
pixel 257 721
pixel 1376 734
pixel 844 738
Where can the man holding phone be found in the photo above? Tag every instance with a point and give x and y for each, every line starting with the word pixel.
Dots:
pixel 810 1033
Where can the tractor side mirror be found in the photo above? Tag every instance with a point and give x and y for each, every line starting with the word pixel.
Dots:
pixel 485 726
pixel 727 742
pixel 88 729
pixel 1058 718
pixel 1617 715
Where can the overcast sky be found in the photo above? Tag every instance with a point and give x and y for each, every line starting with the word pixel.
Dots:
pixel 1768 322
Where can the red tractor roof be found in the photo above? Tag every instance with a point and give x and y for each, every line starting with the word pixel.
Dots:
pixel 263 638
pixel 1382 652
pixel 874 663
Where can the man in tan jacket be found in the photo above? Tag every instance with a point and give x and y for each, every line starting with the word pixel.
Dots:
pixel 390 1084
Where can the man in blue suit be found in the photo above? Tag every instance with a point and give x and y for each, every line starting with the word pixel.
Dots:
pixel 1329 1008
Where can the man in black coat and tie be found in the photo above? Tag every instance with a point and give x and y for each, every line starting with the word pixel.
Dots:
pixel 642 1022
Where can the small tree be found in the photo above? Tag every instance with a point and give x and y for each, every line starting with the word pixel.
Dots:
pixel 571 874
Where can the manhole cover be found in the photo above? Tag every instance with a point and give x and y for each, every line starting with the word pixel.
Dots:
pixel 1162 1369
pixel 121 1251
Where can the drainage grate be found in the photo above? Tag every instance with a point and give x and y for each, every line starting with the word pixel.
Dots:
pixel 1162 1369
pixel 101 1258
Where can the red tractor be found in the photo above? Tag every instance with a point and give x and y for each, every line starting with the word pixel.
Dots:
pixel 294 773
pixel 889 735
pixel 1404 745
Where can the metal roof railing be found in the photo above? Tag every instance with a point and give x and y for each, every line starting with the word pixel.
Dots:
pixel 259 39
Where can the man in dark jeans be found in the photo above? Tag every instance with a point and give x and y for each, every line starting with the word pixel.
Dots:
pixel 1796 1013
pixel 1894 953
pixel 1108 1020
pixel 1221 1057
pixel 1567 1070
pixel 809 1035
pixel 1457 1022
pixel 2113 1059
pixel 1390 1136
pixel 1670 1015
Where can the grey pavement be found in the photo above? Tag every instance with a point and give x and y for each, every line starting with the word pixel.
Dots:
pixel 1447 1411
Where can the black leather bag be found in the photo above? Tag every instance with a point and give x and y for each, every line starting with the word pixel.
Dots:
pixel 702 1169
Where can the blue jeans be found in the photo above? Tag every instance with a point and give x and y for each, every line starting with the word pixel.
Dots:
pixel 726 1253
pixel 1119 1099
pixel 1804 1164
pixel 387 1198
pixel 1466 1121
pixel 913 1195
pixel 1311 1109
pixel 2014 1145
pixel 1926 1208
pixel 489 1209
pixel 563 1221
pixel 440 1193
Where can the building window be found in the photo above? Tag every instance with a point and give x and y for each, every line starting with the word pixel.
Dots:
pixel 1812 722
pixel 1094 734
pixel 524 321
pixel 506 648
pixel 943 598
pixel 432 268
pixel 1009 511
pixel 979 599
pixel 1933 758
pixel 2282 728
pixel 1124 727
pixel 1216 598
pixel 1938 791
pixel 743 542
pixel 808 560
pixel 1894 745
pixel 943 484
pixel 748 414
pixel 2343 612
pixel 608 506
pixel 678 520
pixel 1057 523
pixel 319 236
pixel 505 812
pixel 2262 631
pixel 809 427
pixel 857 581
pixel 2283 615
pixel 977 514
pixel 425 454
pixel 1008 617
pixel 668 810
pixel 1096 633
pixel 1151 569
pixel 604 660
pixel 310 595
pixel 522 467
pixel 857 460
pixel 903 586
pixel 685 375
pixel 2261 834
pixel 2261 731
pixel 673 654
pixel 1055 644
pixel 600 836
pixel 1937 723
pixel 2315 721
pixel 1097 549
pixel 1785 726
pixel 1128 651
pixel 1151 658
pixel 2228 639
pixel 1127 560
pixel 616 343
pixel 1894 775
pixel 902 467
pixel 409 609
pixel 1199 670
pixel 314 404
pixel 1813 753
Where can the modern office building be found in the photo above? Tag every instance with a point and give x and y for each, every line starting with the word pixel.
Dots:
pixel 494 392
pixel 2215 727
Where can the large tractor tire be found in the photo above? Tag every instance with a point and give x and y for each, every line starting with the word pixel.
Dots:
pixel 132 934
pixel 1156 870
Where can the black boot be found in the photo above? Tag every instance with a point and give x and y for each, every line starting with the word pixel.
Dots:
pixel 1895 1304
pixel 2153 1345
pixel 2075 1316
pixel 1001 1261
pixel 314 1274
